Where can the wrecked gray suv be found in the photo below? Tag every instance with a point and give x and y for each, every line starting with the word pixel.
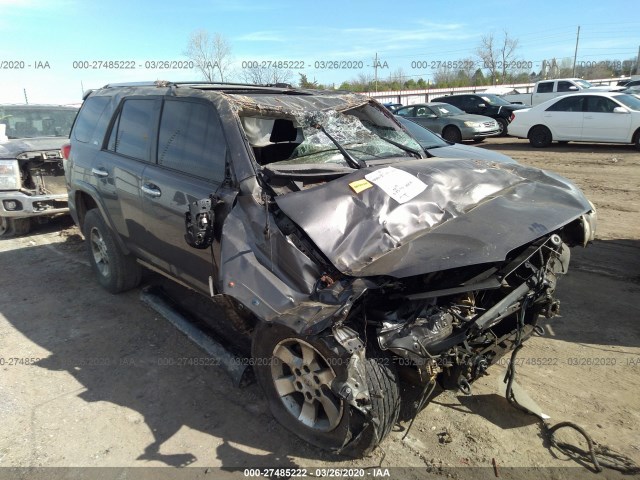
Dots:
pixel 31 172
pixel 344 254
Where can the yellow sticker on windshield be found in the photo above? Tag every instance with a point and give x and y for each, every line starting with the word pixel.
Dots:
pixel 360 185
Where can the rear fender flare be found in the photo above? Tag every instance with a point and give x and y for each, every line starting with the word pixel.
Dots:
pixel 87 189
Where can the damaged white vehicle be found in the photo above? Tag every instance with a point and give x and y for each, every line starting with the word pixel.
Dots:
pixel 31 173
pixel 346 256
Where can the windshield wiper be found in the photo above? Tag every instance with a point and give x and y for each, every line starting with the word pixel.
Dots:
pixel 351 160
pixel 402 147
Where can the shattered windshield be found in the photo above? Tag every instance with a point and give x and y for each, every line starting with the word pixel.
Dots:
pixel 23 121
pixel 362 139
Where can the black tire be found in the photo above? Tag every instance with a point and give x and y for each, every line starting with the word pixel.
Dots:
pixel 341 428
pixel 116 271
pixel 540 136
pixel 563 142
pixel 14 226
pixel 452 134
pixel 503 125
pixel 636 140
pixel 478 140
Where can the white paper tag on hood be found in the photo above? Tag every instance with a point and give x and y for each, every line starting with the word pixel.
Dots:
pixel 398 184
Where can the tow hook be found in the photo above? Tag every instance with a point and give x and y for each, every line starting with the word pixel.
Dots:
pixel 464 386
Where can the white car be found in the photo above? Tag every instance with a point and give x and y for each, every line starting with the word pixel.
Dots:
pixel 610 117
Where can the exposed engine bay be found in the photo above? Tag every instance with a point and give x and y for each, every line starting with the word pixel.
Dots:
pixel 42 172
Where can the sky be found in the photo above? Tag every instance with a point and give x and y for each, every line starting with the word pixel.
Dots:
pixel 46 43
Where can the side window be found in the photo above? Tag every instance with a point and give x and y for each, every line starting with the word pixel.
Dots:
pixel 459 102
pixel 91 113
pixel 570 104
pixel 468 102
pixel 405 112
pixel 131 134
pixel 424 112
pixel 191 140
pixel 598 104
pixel 545 87
pixel 566 87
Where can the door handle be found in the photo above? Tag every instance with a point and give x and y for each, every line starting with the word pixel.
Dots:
pixel 100 172
pixel 588 116
pixel 151 190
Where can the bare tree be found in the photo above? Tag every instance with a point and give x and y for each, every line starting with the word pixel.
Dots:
pixel 211 55
pixel 497 55
pixel 266 75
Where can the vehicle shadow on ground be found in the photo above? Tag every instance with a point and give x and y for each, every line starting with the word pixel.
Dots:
pixel 122 353
pixel 599 296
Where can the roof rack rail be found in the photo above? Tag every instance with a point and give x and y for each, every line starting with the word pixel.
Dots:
pixel 167 83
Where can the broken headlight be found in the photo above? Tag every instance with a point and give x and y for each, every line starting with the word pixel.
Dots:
pixel 9 175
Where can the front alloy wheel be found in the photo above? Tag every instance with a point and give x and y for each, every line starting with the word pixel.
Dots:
pixel 302 377
pixel 297 374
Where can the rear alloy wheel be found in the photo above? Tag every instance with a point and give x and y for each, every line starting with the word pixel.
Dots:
pixel 296 374
pixel 452 134
pixel 540 136
pixel 14 226
pixel 637 140
pixel 116 271
pixel 503 126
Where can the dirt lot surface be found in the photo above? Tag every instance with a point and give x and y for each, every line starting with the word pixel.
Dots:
pixel 84 380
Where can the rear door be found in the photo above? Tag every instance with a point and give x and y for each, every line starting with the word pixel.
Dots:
pixel 119 165
pixel 544 91
pixel 191 158
pixel 601 124
pixel 565 117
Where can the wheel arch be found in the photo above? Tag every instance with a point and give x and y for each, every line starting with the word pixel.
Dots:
pixel 87 198
pixel 537 125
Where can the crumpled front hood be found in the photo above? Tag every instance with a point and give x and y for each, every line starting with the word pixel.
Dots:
pixel 15 147
pixel 471 212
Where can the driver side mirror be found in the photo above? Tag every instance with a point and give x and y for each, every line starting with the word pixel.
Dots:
pixel 482 105
pixel 199 223
pixel 573 88
pixel 620 110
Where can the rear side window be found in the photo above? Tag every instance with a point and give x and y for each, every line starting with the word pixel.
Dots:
pixel 545 87
pixel 573 103
pixel 131 134
pixel 91 114
pixel 456 101
pixel 191 140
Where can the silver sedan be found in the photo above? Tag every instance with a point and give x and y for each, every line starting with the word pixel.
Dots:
pixel 452 123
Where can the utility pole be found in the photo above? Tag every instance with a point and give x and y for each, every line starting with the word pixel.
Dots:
pixel 26 100
pixel 375 71
pixel 575 55
pixel 638 62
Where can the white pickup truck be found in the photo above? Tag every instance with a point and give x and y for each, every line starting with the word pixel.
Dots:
pixel 547 89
